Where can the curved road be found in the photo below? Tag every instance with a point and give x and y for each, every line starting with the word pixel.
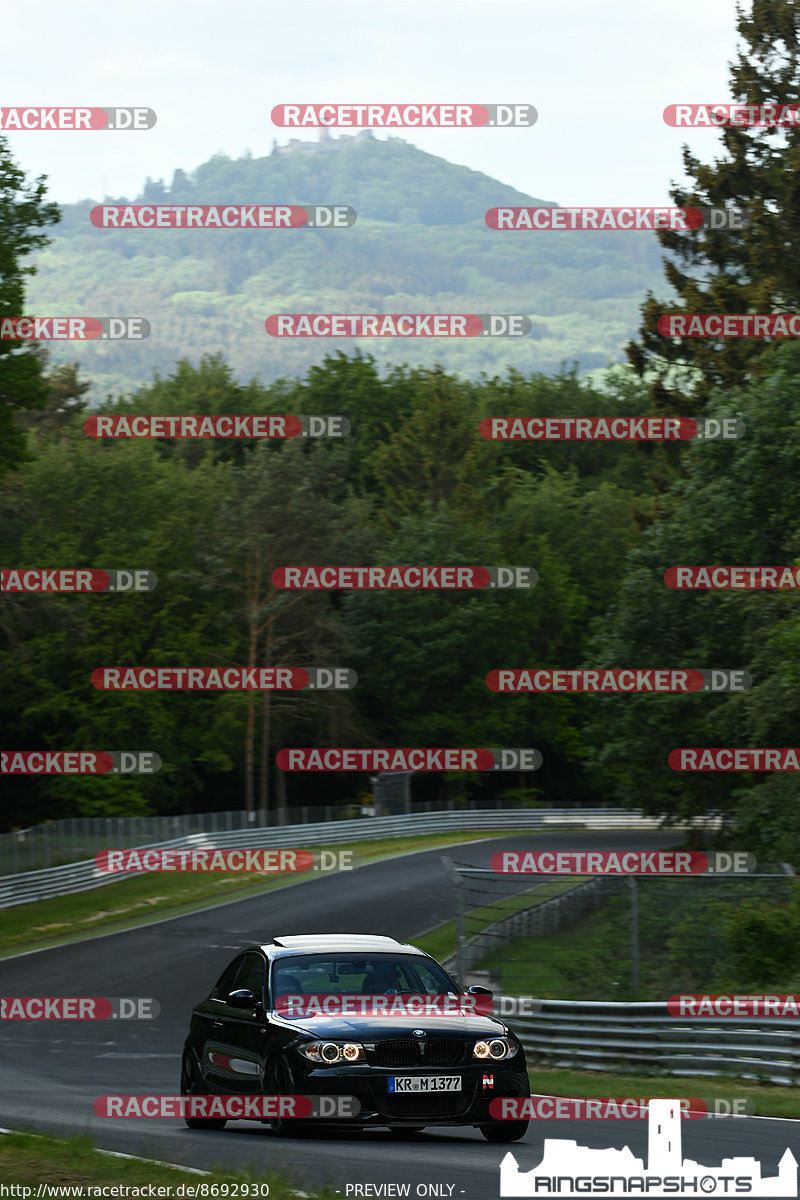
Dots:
pixel 53 1071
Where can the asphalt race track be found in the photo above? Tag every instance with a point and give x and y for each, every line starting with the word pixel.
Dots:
pixel 52 1071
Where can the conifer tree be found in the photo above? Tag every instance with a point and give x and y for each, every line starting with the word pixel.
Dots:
pixel 751 270
pixel 22 209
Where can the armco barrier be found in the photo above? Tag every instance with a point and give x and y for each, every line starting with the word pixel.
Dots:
pixel 81 876
pixel 594 1035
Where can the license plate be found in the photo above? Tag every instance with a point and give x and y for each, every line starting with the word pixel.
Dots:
pixel 424 1083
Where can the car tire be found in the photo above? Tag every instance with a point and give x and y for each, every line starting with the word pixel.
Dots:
pixel 192 1085
pixel 505 1131
pixel 280 1083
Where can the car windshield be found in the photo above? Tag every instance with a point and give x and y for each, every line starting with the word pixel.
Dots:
pixel 348 974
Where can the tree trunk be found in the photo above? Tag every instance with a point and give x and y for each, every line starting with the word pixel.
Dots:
pixel 266 729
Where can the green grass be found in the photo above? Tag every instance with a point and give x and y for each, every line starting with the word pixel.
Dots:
pixel 534 966
pixel 28 1159
pixel 441 941
pixel 769 1101
pixel 129 903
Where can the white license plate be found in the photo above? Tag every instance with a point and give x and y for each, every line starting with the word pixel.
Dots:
pixel 424 1083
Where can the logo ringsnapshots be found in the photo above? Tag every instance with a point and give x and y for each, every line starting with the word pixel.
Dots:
pixel 454 325
pixel 618 681
pixel 396 116
pixel 428 578
pixel 622 862
pixel 232 1107
pixel 216 426
pixel 223 216
pixel 734 758
pixel 79 1008
pixel 73 329
pixel 407 759
pixel 568 1169
pixel 79 762
pixel 732 578
pixel 257 861
pixel 73 579
pixel 77 118
pixel 224 679
pixel 605 429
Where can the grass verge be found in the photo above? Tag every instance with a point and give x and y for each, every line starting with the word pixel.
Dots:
pixel 540 966
pixel 769 1100
pixel 28 1159
pixel 441 941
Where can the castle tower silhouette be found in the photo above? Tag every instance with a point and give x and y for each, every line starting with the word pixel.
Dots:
pixel 664 1154
pixel 562 1157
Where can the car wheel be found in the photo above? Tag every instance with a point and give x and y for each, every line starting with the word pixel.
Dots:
pixel 192 1085
pixel 280 1083
pixel 505 1131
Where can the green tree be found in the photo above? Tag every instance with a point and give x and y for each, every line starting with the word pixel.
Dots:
pixel 129 508
pixel 285 508
pixel 22 210
pixel 719 270
pixel 736 505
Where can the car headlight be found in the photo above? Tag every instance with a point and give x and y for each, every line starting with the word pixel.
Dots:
pixel 495 1049
pixel 331 1054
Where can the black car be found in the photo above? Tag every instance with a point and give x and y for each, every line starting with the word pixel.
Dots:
pixel 406 1072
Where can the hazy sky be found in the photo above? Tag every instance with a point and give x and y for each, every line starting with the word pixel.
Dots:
pixel 600 75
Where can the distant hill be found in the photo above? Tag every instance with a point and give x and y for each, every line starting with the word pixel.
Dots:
pixel 420 244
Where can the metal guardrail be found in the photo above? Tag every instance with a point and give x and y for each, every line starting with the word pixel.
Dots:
pixel 596 1035
pixel 82 876
pixel 564 1033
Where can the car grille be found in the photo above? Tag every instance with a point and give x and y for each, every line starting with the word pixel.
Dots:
pixel 436 1052
pixel 444 1052
pixel 418 1104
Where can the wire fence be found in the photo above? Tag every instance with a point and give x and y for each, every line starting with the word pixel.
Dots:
pixel 67 878
pixel 652 936
pixel 72 839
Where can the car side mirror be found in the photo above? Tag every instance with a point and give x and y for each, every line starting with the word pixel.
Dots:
pixel 478 990
pixel 242 998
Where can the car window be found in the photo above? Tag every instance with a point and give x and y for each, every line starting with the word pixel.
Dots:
pixel 224 985
pixel 307 974
pixel 251 974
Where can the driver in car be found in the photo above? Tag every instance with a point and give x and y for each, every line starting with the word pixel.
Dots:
pixel 384 978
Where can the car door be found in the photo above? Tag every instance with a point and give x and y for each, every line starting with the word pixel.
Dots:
pixel 232 1052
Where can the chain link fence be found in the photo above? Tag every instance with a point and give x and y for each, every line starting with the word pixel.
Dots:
pixel 621 937
pixel 74 838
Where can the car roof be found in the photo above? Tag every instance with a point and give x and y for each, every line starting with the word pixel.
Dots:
pixel 338 943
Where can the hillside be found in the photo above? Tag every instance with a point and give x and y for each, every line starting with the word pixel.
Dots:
pixel 420 244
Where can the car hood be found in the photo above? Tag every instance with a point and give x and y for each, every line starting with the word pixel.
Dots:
pixel 376 1028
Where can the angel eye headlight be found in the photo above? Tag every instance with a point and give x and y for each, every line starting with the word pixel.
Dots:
pixel 330 1053
pixel 496 1048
